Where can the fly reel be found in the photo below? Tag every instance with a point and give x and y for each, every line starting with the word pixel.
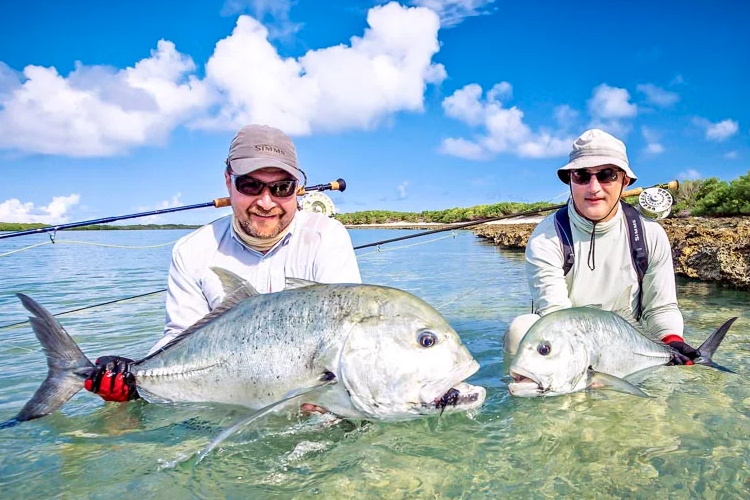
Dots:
pixel 319 203
pixel 655 203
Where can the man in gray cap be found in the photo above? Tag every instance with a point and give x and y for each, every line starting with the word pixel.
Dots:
pixel 599 250
pixel 265 241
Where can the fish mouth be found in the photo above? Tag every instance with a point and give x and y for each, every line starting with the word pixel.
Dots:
pixel 525 383
pixel 459 395
pixel 462 397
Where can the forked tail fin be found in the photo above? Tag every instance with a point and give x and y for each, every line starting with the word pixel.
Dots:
pixel 67 366
pixel 708 348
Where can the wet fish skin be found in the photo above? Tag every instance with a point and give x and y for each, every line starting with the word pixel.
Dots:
pixel 256 349
pixel 584 347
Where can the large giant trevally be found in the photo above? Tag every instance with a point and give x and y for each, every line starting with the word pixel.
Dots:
pixel 584 347
pixel 358 351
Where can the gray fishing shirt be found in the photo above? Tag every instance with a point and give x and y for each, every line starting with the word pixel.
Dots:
pixel 607 284
pixel 317 248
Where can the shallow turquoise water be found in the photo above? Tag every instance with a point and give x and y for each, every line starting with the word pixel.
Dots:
pixel 690 440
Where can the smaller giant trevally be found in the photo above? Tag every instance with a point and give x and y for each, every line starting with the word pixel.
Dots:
pixel 587 348
pixel 358 351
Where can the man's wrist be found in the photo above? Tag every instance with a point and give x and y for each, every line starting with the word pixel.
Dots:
pixel 671 337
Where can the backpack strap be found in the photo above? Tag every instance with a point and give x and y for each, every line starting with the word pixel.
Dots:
pixel 638 249
pixel 565 235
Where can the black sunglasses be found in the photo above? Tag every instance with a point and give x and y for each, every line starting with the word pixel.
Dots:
pixel 604 176
pixel 250 186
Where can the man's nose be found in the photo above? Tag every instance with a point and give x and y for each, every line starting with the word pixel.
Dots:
pixel 594 184
pixel 265 200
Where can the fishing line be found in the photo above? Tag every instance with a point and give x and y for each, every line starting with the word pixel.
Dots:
pixel 91 243
pixel 381 250
pixel 218 203
pixel 14 325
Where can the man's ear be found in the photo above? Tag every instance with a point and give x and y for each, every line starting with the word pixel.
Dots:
pixel 228 181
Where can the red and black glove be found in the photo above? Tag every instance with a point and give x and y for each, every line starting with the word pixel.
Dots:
pixel 112 380
pixel 685 353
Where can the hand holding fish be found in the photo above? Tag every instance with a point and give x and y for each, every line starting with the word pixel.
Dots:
pixel 112 379
pixel 685 352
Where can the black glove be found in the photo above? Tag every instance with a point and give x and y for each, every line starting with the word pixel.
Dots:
pixel 685 354
pixel 112 380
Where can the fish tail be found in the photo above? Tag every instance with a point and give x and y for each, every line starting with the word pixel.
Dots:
pixel 711 344
pixel 67 366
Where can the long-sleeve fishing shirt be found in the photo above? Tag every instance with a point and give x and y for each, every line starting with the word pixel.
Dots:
pixel 607 283
pixel 316 248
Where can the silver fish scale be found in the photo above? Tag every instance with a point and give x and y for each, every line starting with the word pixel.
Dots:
pixel 614 346
pixel 267 345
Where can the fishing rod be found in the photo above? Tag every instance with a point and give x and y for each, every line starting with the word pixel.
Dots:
pixel 625 194
pixel 673 185
pixel 337 185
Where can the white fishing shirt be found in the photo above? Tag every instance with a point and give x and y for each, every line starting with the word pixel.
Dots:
pixel 613 272
pixel 317 248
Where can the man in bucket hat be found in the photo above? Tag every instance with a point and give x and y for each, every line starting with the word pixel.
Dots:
pixel 600 265
pixel 265 240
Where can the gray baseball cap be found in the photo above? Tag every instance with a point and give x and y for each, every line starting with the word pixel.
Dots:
pixel 260 146
pixel 595 148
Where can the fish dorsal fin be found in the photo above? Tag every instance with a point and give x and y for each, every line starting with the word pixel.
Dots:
pixel 236 290
pixel 235 287
pixel 599 380
pixel 294 283
pixel 594 306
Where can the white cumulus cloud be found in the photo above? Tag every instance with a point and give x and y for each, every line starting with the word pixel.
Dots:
pixel 453 12
pixel 719 131
pixel 689 175
pixel 104 111
pixel 345 86
pixel 731 155
pixel 653 146
pixel 97 110
pixel 610 108
pixel 273 13
pixel 173 202
pixel 503 129
pixel 657 95
pixel 611 102
pixel 13 210
pixel 463 148
pixel 401 189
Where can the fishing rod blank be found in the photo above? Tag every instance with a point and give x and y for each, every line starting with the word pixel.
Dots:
pixel 337 185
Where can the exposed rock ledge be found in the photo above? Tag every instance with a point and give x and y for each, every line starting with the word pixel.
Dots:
pixel 709 249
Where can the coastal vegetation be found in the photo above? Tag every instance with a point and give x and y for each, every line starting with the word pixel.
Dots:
pixel 702 197
pixel 446 216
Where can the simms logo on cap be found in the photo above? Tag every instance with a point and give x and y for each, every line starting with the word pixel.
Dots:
pixel 265 148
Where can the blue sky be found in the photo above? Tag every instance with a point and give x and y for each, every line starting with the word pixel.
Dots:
pixel 111 108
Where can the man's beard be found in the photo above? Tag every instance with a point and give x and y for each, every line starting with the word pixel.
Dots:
pixel 273 232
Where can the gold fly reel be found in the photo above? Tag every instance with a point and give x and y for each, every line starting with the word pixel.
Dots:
pixel 318 202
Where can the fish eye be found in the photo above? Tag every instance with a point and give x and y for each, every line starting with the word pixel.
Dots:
pixel 427 339
pixel 544 348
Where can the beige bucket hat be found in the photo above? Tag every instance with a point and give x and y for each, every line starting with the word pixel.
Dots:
pixel 595 148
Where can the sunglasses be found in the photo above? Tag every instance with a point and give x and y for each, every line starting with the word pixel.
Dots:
pixel 604 176
pixel 250 186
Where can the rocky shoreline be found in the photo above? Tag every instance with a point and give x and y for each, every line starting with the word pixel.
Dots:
pixel 709 249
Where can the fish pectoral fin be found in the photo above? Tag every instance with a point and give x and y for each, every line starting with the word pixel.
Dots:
pixel 325 379
pixel 599 380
